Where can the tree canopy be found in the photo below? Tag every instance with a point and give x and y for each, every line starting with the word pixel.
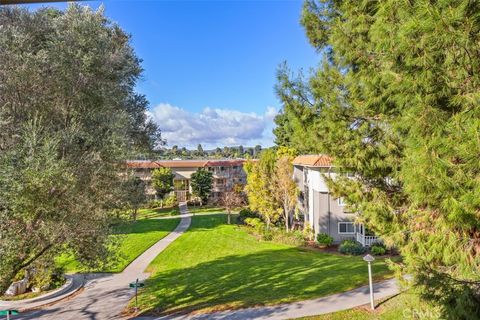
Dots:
pixel 201 183
pixel 162 181
pixel 69 116
pixel 395 100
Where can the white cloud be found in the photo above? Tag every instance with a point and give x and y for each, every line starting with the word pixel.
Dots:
pixel 213 127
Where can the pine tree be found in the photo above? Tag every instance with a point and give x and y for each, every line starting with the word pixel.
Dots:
pixel 396 101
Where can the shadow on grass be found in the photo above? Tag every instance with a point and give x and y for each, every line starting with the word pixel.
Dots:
pixel 205 209
pixel 261 278
pixel 143 226
pixel 158 213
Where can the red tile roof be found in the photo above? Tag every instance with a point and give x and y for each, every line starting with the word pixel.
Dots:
pixel 318 160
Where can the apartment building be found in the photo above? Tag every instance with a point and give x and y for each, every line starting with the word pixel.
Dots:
pixel 226 174
pixel 324 212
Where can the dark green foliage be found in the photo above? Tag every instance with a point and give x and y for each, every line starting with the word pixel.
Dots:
pixel 69 115
pixel 246 213
pixel 378 250
pixel 134 195
pixel 162 181
pixel 324 239
pixel 395 100
pixel 201 183
pixel 351 247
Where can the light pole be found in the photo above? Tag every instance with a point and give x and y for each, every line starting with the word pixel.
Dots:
pixel 369 259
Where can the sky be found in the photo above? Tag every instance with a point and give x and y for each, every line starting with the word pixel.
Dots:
pixel 210 66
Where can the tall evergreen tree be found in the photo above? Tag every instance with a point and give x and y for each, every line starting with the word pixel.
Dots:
pixel 396 100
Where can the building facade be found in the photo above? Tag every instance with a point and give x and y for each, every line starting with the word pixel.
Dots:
pixel 226 175
pixel 321 210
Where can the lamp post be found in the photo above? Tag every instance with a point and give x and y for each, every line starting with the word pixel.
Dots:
pixel 369 259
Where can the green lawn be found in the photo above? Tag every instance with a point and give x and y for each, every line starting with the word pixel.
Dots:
pixel 214 266
pixel 130 240
pixel 205 209
pixel 404 306
pixel 157 213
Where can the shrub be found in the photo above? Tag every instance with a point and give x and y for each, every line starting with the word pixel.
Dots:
pixel 170 200
pixel 324 239
pixel 267 235
pixel 293 238
pixel 255 223
pixel 246 213
pixel 45 277
pixel 378 250
pixel 351 247
pixel 154 204
pixel 308 231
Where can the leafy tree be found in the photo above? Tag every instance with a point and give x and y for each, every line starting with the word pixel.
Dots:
pixel 201 183
pixel 285 189
pixel 260 187
pixel 200 151
pixel 218 152
pixel 62 138
pixel 135 196
pixel 395 100
pixel 257 150
pixel 241 150
pixel 174 150
pixel 162 181
pixel 231 200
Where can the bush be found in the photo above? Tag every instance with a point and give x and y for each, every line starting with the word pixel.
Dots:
pixel 246 213
pixel 170 200
pixel 378 250
pixel 45 277
pixel 351 247
pixel 255 223
pixel 293 238
pixel 308 232
pixel 324 239
pixel 154 204
pixel 194 202
pixel 267 235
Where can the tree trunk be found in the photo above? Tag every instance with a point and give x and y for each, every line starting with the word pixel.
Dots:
pixel 285 213
pixel 6 280
pixel 134 215
pixel 228 216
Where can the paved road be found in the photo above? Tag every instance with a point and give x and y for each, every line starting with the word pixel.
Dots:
pixel 333 303
pixel 106 295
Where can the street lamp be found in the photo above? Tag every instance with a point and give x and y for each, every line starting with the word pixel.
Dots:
pixel 369 259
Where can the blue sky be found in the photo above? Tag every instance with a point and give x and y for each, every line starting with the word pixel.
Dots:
pixel 210 65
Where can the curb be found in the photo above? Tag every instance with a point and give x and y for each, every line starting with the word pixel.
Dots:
pixel 51 297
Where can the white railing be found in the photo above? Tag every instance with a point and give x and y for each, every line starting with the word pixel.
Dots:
pixel 367 241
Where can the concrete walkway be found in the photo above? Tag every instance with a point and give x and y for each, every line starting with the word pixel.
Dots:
pixel 333 303
pixel 106 295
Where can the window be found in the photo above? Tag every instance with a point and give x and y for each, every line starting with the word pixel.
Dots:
pixel 341 202
pixel 346 227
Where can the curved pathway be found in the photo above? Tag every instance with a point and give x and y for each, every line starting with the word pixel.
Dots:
pixel 106 295
pixel 336 302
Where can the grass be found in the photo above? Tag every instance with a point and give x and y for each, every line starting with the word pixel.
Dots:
pixel 403 306
pixel 130 240
pixel 206 209
pixel 223 267
pixel 26 295
pixel 157 213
